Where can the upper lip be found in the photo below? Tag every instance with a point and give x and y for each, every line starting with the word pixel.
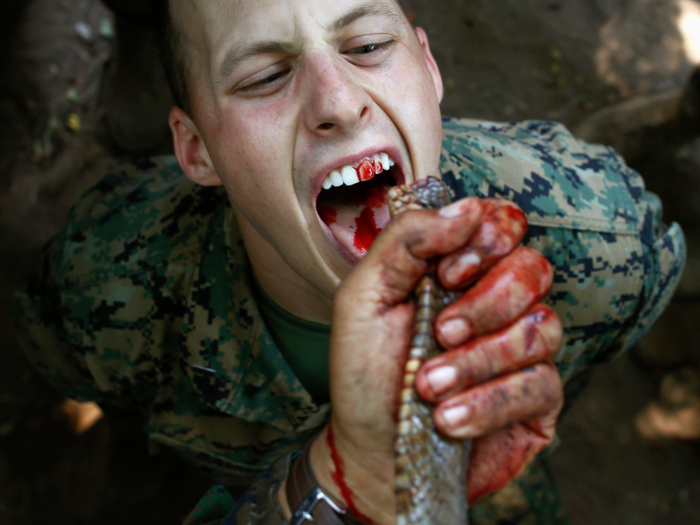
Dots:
pixel 355 160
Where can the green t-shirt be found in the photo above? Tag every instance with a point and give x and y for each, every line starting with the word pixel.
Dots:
pixel 303 344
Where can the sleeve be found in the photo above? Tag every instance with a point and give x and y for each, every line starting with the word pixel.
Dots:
pixel 258 506
pixel 664 255
pixel 38 314
pixel 616 264
pixel 65 331
pixel 655 259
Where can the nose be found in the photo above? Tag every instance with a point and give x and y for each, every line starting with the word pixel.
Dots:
pixel 337 103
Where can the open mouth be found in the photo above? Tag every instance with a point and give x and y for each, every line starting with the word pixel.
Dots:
pixel 353 202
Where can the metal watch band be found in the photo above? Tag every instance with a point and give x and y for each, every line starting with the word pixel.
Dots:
pixel 308 501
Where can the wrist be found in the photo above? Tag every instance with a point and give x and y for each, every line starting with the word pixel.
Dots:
pixel 307 501
pixel 367 493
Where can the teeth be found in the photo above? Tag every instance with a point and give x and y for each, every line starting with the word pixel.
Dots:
pixel 350 177
pixel 336 178
pixel 386 162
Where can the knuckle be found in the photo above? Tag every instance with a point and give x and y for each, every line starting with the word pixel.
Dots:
pixel 532 258
pixel 542 383
pixel 475 364
pixel 552 384
pixel 549 327
pixel 498 202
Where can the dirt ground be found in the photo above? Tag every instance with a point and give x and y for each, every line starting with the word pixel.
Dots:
pixel 501 60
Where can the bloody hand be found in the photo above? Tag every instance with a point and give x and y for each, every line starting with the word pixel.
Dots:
pixel 496 383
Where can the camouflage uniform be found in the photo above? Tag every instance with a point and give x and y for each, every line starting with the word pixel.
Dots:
pixel 145 302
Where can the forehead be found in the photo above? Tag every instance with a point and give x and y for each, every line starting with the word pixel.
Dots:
pixel 214 24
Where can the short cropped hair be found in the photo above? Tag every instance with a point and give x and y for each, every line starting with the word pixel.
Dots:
pixel 172 47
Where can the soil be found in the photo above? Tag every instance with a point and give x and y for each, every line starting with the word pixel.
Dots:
pixel 500 60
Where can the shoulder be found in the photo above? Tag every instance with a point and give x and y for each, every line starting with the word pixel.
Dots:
pixel 615 264
pixel 555 178
pixel 145 212
pixel 130 284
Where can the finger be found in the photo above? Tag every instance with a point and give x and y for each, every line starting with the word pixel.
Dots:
pixel 533 338
pixel 486 408
pixel 501 230
pixel 510 289
pixel 499 458
pixel 399 256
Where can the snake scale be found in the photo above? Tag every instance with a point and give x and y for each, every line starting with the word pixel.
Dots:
pixel 431 470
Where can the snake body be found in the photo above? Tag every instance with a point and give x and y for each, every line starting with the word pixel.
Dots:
pixel 431 470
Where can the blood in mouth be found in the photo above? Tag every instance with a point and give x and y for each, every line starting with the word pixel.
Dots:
pixel 328 215
pixel 367 230
pixel 358 208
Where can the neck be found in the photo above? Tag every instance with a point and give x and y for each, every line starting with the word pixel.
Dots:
pixel 286 287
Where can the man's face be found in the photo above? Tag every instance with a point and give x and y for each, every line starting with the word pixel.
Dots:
pixel 291 96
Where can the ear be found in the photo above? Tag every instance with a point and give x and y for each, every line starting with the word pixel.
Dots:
pixel 432 65
pixel 190 150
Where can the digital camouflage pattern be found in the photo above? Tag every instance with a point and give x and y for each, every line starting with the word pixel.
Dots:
pixel 144 300
pixel 616 266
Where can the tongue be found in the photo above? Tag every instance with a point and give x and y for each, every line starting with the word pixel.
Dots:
pixel 356 224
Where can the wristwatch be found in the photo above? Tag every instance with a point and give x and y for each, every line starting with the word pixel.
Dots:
pixel 308 501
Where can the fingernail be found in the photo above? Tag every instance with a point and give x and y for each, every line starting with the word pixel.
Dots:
pixel 454 331
pixel 456 417
pixel 463 268
pixel 442 379
pixel 456 209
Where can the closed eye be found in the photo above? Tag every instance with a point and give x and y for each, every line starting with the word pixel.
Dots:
pixel 268 82
pixel 372 48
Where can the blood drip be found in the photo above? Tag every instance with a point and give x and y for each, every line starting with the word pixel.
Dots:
pixel 328 215
pixel 339 477
pixel 366 232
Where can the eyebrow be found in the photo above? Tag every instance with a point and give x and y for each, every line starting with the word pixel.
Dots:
pixel 236 56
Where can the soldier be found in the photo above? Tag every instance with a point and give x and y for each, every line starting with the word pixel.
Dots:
pixel 200 291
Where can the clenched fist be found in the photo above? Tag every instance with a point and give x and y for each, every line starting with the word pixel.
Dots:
pixel 496 382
